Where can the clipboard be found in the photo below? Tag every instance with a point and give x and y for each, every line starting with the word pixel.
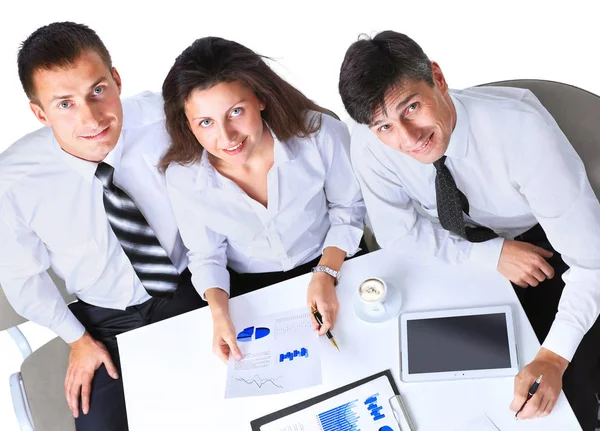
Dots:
pixel 257 423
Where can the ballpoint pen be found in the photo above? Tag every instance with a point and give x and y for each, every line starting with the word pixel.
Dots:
pixel 319 320
pixel 532 390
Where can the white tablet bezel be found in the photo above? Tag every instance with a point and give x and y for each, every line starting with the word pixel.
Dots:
pixel 463 374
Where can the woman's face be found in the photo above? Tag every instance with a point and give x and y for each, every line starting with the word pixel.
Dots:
pixel 226 120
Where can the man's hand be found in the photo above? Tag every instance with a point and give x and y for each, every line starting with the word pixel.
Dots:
pixel 524 264
pixel 552 367
pixel 87 355
pixel 321 295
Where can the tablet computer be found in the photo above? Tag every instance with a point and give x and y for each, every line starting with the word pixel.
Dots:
pixel 458 344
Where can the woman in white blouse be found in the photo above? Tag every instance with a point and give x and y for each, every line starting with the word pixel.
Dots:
pixel 260 181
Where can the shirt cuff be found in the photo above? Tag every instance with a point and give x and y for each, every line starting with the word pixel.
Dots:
pixel 69 329
pixel 208 277
pixel 344 237
pixel 486 253
pixel 563 339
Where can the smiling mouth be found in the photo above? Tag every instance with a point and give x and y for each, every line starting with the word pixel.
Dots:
pixel 424 146
pixel 236 148
pixel 98 135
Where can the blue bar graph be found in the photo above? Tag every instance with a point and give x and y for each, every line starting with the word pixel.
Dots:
pixel 303 352
pixel 342 418
pixel 373 408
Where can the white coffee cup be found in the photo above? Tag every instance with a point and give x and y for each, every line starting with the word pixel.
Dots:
pixel 372 293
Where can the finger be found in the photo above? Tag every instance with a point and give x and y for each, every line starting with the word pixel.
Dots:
pixel 234 349
pixel 550 405
pixel 521 284
pixel 538 275
pixel 326 322
pixel 547 269
pixel 313 320
pixel 518 400
pixel 86 388
pixel 73 397
pixel 110 367
pixel 543 406
pixel 530 280
pixel 542 251
pixel 222 352
pixel 531 407
pixel 68 382
pixel 521 389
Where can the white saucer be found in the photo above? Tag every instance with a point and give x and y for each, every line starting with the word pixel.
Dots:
pixel 393 304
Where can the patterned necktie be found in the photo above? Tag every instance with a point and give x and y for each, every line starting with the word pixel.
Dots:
pixel 149 260
pixel 451 203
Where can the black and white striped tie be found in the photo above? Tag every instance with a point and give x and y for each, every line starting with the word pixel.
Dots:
pixel 149 260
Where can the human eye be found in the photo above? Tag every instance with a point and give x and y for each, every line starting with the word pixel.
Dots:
pixel 384 128
pixel 64 104
pixel 98 91
pixel 205 123
pixel 412 107
pixel 236 112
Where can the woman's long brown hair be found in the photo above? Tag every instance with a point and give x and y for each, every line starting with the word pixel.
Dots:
pixel 212 60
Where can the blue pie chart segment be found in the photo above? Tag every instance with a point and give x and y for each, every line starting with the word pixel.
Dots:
pixel 262 332
pixel 246 334
pixel 385 428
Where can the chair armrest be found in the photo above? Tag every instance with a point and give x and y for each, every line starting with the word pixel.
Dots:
pixel 20 404
pixel 20 340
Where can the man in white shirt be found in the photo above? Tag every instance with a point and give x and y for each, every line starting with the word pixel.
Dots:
pixel 83 196
pixel 483 175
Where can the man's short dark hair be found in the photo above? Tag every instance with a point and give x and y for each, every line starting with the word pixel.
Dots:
pixel 56 45
pixel 373 66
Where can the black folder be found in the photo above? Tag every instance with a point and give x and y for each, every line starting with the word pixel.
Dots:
pixel 257 423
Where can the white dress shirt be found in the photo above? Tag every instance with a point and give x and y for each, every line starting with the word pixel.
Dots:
pixel 314 202
pixel 52 215
pixel 516 167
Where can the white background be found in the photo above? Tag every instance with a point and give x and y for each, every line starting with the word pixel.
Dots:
pixel 474 42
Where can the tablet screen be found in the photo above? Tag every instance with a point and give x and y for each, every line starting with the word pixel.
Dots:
pixel 459 343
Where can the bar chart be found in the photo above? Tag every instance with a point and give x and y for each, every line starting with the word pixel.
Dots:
pixel 342 418
pixel 374 408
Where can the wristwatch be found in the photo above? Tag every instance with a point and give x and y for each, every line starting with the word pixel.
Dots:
pixel 328 270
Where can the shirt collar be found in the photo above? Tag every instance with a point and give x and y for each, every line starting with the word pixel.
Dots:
pixel 459 140
pixel 283 152
pixel 86 168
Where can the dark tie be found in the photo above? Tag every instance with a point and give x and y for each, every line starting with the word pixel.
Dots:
pixel 149 260
pixel 451 203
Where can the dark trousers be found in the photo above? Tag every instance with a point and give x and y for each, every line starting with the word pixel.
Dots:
pixel 107 400
pixel 581 380
pixel 249 282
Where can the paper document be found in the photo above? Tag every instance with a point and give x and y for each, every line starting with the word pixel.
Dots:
pixel 280 354
pixel 365 407
pixel 480 423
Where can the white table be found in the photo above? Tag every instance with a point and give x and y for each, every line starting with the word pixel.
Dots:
pixel 173 381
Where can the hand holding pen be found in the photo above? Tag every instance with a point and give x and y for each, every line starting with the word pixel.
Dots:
pixel 319 320
pixel 532 390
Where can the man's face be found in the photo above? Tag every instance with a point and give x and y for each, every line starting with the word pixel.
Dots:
pixel 81 103
pixel 419 120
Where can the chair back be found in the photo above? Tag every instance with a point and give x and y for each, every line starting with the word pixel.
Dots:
pixel 577 113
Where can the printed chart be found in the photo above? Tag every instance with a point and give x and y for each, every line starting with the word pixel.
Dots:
pixel 362 408
pixel 279 354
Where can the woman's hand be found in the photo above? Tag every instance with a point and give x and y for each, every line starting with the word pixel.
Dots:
pixel 321 295
pixel 224 338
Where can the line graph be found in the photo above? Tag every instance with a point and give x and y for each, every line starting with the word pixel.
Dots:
pixel 259 381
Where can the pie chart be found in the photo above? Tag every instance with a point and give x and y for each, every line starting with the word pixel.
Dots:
pixel 250 333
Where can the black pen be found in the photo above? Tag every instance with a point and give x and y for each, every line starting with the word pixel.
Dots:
pixel 319 320
pixel 532 390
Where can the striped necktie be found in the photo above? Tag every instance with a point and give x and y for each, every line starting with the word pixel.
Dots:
pixel 452 203
pixel 149 260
